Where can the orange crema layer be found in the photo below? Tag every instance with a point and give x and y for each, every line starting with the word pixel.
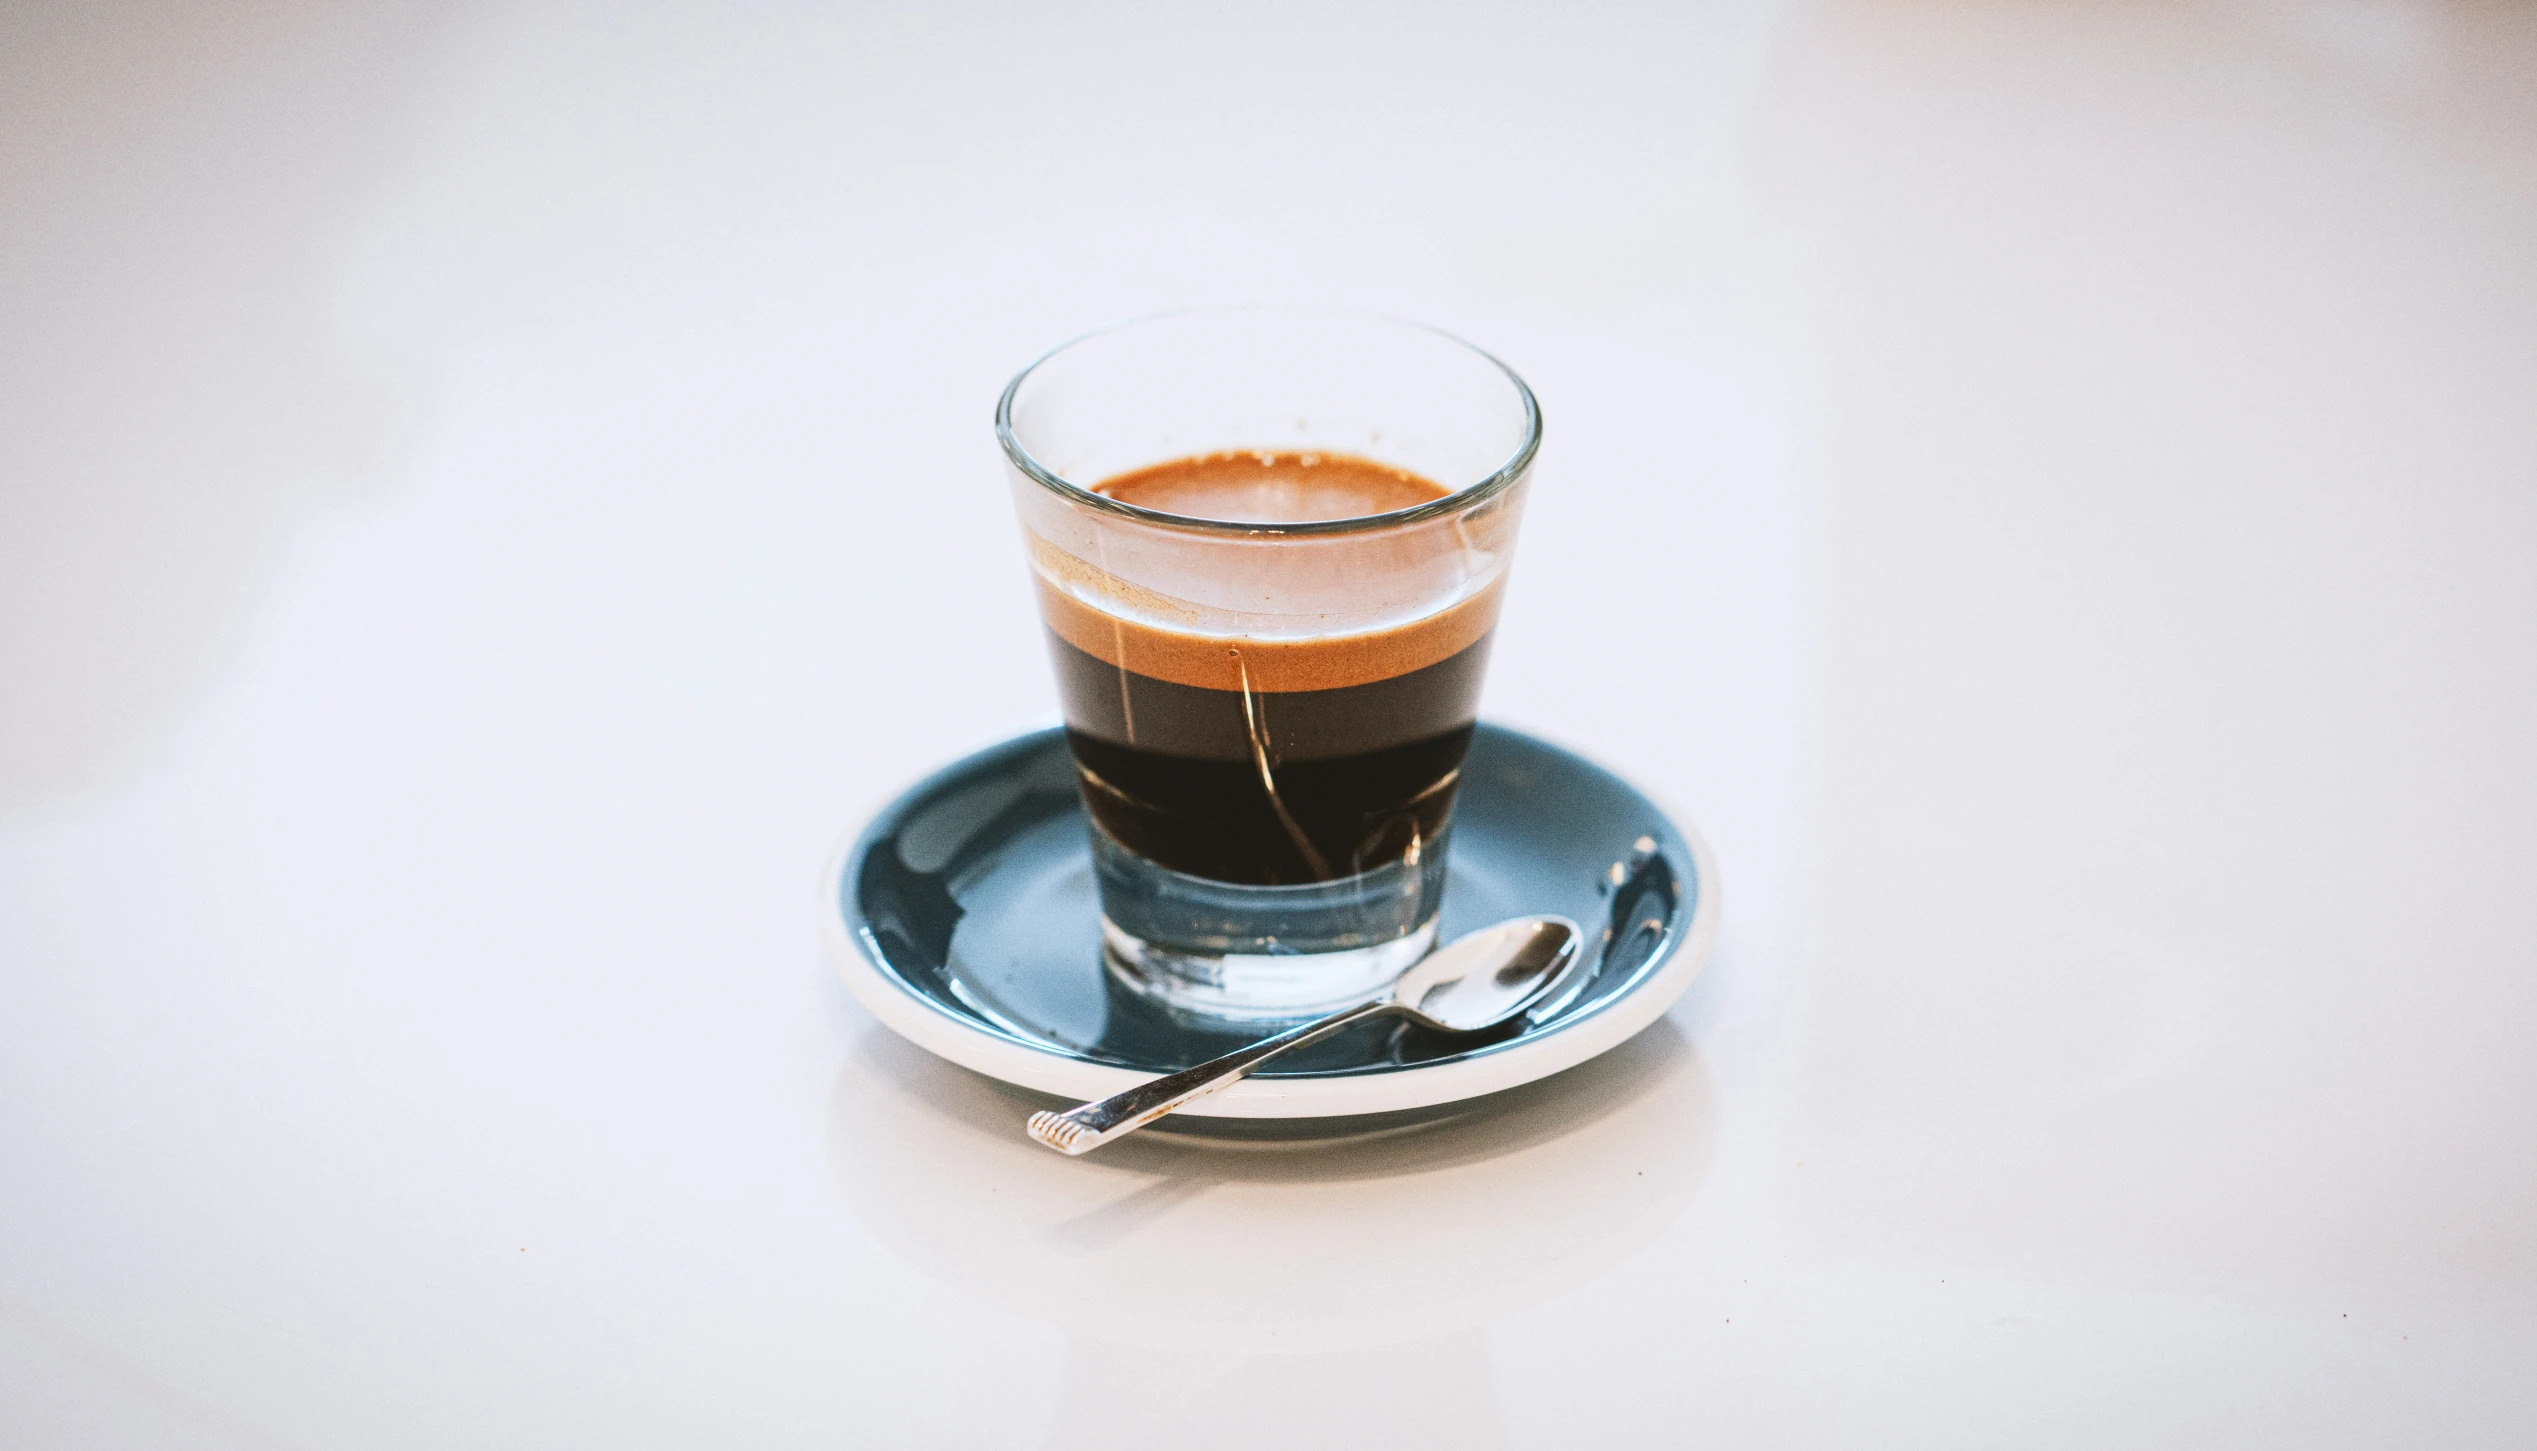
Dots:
pixel 1272 486
pixel 1263 486
pixel 1237 662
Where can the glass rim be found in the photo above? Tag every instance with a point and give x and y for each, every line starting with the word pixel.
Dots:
pixel 1454 501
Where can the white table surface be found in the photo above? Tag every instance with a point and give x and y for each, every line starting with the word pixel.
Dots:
pixel 489 494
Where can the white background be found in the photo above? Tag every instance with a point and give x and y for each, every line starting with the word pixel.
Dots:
pixel 489 494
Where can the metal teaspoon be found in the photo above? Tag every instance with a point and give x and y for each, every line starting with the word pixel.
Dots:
pixel 1476 981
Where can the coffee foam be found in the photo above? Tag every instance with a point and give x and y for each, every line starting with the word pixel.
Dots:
pixel 1271 486
pixel 1148 632
pixel 1237 662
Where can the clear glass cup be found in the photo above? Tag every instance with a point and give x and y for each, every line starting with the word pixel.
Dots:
pixel 1269 714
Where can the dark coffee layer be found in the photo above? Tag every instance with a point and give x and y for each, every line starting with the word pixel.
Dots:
pixel 1276 786
pixel 1128 709
pixel 1274 760
pixel 1328 819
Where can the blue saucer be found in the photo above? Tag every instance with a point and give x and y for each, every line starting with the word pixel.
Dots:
pixel 966 918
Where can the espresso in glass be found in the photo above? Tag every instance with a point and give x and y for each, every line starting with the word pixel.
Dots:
pixel 1269 647
pixel 1271 762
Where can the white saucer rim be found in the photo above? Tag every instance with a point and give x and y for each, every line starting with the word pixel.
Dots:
pixel 929 1026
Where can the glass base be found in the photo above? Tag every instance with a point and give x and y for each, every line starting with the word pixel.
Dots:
pixel 1252 954
pixel 1259 987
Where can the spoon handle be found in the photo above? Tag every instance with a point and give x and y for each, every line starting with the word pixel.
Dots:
pixel 1089 1126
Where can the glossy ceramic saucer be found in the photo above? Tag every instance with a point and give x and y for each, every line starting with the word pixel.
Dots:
pixel 965 918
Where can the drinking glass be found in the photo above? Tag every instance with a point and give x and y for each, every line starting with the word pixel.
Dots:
pixel 1268 718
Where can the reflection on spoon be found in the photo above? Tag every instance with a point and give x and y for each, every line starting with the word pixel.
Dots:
pixel 1475 982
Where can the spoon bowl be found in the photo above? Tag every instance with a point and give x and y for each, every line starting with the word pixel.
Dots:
pixel 1483 978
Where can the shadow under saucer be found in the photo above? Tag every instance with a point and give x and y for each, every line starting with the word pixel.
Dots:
pixel 1161 1241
